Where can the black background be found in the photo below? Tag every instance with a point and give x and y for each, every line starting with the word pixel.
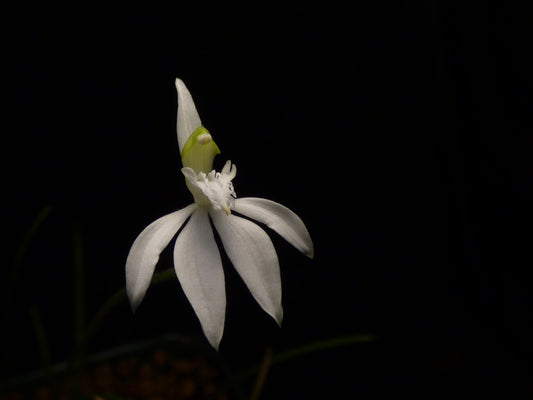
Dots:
pixel 398 131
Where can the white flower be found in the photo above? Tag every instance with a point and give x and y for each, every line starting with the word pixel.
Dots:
pixel 196 256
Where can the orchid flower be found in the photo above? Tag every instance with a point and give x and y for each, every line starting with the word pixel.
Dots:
pixel 197 259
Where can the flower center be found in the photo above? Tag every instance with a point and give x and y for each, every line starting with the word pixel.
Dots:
pixel 214 188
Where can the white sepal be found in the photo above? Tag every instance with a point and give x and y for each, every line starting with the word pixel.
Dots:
pixel 145 251
pixel 278 218
pixel 188 118
pixel 252 254
pixel 199 270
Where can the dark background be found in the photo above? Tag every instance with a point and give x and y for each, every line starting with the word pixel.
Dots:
pixel 398 131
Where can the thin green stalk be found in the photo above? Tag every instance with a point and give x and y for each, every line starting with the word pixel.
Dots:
pixel 321 345
pixel 42 340
pixel 5 320
pixel 307 349
pixel 23 248
pixel 117 298
pixel 262 375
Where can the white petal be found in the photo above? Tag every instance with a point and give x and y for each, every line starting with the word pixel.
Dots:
pixel 279 218
pixel 188 118
pixel 144 252
pixel 199 270
pixel 250 250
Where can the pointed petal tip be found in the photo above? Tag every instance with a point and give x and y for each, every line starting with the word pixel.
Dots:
pixel 307 248
pixel 279 317
pixel 279 218
pixel 199 270
pixel 133 298
pixel 214 339
pixel 134 301
pixel 180 85
pixel 277 314
pixel 144 253
pixel 214 345
pixel 182 90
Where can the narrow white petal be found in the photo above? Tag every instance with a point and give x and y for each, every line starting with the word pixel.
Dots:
pixel 279 218
pixel 145 251
pixel 250 250
pixel 199 270
pixel 188 118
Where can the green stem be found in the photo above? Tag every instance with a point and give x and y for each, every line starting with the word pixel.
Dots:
pixel 23 248
pixel 5 319
pixel 321 345
pixel 262 375
pixel 42 340
pixel 307 349
pixel 117 298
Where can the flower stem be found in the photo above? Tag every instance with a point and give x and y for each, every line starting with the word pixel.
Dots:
pixel 42 340
pixel 12 278
pixel 23 248
pixel 117 298
pixel 306 349
pixel 321 345
pixel 262 375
